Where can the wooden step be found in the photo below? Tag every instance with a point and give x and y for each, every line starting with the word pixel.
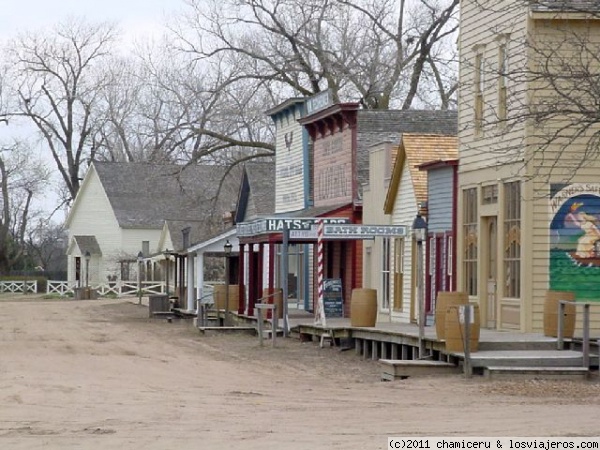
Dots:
pixel 208 330
pixel 527 358
pixel 394 369
pixel 524 372
pixel 517 345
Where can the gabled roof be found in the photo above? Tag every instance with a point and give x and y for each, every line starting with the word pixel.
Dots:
pixel 87 244
pixel 375 126
pixel 144 195
pixel 415 150
pixel 261 176
pixel 257 188
pixel 198 231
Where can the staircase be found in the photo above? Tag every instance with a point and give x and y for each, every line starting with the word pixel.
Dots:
pixel 531 360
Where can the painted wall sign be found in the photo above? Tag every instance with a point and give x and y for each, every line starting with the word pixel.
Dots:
pixel 352 231
pixel 575 241
pixel 319 101
pixel 276 225
pixel 333 182
pixel 290 170
pixel 333 176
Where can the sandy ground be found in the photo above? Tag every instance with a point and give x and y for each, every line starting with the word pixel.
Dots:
pixel 101 375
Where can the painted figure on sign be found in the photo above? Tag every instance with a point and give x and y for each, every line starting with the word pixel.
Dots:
pixel 586 244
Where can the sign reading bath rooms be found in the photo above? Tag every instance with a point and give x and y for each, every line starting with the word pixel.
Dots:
pixel 277 225
pixel 354 231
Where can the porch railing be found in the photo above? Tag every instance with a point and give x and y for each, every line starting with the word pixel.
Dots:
pixel 585 344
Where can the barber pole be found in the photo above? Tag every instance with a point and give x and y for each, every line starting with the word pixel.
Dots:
pixel 320 310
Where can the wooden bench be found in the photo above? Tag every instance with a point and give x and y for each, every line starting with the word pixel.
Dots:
pixel 394 369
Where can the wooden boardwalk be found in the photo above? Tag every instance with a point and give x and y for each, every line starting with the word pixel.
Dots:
pixel 503 351
pixel 396 346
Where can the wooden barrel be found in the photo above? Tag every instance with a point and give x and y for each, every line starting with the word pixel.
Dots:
pixel 363 308
pixel 445 299
pixel 455 328
pixel 551 313
pixel 219 296
pixel 277 299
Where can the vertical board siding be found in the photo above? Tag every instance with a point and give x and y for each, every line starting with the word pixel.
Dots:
pixel 439 199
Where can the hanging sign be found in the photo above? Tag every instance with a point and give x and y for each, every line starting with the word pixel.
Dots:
pixel 354 231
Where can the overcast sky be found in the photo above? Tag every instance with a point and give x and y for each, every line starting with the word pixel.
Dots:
pixel 136 17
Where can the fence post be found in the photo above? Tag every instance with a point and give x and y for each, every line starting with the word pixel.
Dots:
pixel 586 335
pixel 561 326
pixel 467 342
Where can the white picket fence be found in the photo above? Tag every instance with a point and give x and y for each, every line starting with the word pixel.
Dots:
pixel 18 286
pixel 117 289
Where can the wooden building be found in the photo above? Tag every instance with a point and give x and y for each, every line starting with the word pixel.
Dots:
pixel 440 267
pixel 529 197
pixel 406 197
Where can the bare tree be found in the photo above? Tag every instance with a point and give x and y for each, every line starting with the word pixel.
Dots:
pixel 58 78
pixel 21 178
pixel 188 111
pixel 47 246
pixel 384 52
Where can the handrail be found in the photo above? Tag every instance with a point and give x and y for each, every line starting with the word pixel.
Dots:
pixel 259 300
pixel 586 328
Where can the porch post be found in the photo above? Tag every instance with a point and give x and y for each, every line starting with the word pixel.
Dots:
pixel 251 280
pixel 199 269
pixel 190 283
pixel 241 280
pixel 271 274
pixel 261 272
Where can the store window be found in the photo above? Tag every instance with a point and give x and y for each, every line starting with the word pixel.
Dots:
pixel 512 239
pixel 470 218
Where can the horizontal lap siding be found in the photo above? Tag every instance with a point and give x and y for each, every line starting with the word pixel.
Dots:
pixel 404 212
pixel 290 170
pixel 333 173
pixel 562 162
pixel 373 213
pixel 481 23
pixel 94 208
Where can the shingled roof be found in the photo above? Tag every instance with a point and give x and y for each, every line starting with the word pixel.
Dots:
pixel 144 195
pixel 261 176
pixel 88 244
pixel 376 126
pixel 584 6
pixel 414 150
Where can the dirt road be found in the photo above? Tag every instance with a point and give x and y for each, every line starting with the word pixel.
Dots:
pixel 101 375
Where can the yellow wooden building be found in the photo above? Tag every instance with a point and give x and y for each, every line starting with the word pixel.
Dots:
pixel 529 185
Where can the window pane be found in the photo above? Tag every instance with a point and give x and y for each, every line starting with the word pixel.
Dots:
pixel 470 248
